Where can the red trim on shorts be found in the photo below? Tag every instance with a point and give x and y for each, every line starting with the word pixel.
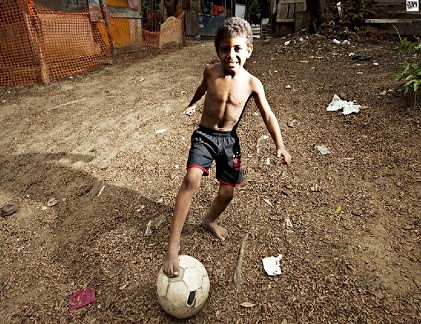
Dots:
pixel 230 184
pixel 199 167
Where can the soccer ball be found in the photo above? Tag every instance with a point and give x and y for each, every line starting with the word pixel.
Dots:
pixel 184 295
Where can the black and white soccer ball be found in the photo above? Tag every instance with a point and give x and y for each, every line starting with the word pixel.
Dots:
pixel 184 295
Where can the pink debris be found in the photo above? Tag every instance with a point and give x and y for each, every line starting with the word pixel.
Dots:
pixel 81 298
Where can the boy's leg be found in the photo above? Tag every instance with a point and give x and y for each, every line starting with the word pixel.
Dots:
pixel 222 200
pixel 189 186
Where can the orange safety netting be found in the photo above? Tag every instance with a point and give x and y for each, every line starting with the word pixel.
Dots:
pixel 41 45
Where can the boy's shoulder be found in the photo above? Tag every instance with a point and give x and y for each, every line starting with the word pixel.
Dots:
pixel 213 71
pixel 213 67
pixel 254 81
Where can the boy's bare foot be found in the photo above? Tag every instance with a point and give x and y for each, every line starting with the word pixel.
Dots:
pixel 219 231
pixel 170 265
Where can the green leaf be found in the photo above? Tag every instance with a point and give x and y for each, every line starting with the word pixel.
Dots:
pixel 416 85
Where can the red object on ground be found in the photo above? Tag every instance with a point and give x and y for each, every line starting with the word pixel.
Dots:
pixel 81 298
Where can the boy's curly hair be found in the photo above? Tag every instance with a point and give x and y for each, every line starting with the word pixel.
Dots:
pixel 233 27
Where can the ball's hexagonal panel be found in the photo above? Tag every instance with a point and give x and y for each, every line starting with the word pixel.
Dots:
pixel 186 261
pixel 193 279
pixel 178 293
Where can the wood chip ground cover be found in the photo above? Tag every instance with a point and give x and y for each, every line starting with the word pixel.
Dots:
pixel 90 145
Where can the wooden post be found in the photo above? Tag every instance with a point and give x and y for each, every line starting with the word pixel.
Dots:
pixel 316 10
pixel 107 27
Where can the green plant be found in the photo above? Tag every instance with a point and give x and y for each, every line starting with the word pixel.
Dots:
pixel 410 72
pixel 404 46
pixel 411 75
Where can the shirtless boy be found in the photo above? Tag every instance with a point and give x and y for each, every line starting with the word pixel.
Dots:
pixel 227 87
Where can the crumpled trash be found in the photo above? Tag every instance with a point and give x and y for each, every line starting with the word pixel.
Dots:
pixel 323 149
pixel 348 107
pixel 81 298
pixel 272 265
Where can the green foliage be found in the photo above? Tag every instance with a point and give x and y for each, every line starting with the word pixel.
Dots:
pixel 410 72
pixel 406 46
pixel 411 75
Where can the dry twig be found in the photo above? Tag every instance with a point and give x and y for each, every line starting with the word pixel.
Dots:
pixel 238 273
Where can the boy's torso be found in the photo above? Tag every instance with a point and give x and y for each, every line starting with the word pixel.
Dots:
pixel 225 98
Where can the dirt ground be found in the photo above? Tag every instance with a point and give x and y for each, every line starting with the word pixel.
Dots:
pixel 90 160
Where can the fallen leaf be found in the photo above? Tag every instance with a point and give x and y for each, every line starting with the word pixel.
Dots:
pixel 288 223
pixel 52 202
pixel 84 190
pixel 247 304
pixel 378 294
pixel 315 188
pixel 160 130
pixel 109 302
pixel 291 123
pixel 268 202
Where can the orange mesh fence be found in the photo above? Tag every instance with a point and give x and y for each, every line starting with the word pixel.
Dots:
pixel 41 45
pixel 17 57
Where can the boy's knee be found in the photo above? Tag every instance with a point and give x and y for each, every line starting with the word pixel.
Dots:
pixel 226 193
pixel 192 180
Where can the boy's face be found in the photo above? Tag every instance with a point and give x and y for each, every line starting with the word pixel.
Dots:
pixel 233 53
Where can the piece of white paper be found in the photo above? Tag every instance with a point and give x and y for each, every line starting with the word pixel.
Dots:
pixel 348 107
pixel 323 149
pixel 272 265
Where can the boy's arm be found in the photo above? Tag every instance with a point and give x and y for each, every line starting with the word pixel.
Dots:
pixel 200 92
pixel 270 121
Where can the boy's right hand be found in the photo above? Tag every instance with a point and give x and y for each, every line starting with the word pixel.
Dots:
pixel 189 110
pixel 170 265
pixel 284 155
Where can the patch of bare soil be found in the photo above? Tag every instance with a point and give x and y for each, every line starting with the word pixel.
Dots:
pixel 110 147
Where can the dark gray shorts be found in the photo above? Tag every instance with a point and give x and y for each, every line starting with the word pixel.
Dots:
pixel 208 145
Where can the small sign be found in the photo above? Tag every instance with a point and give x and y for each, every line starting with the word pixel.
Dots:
pixel 412 5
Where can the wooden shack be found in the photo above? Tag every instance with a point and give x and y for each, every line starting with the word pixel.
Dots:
pixel 391 14
pixel 291 16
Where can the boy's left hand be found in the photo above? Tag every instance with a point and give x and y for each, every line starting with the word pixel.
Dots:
pixel 284 156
